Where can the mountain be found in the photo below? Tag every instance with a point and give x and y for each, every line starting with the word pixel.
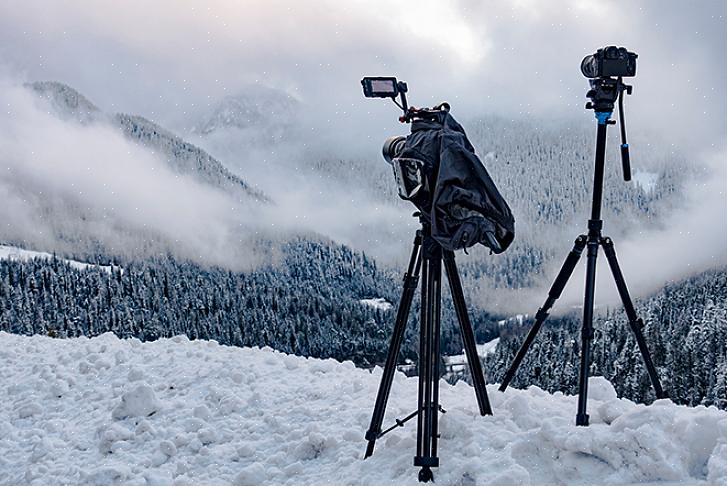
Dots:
pixel 66 102
pixel 185 158
pixel 104 411
pixel 271 112
pixel 182 157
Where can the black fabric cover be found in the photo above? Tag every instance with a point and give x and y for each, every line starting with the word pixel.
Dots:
pixel 465 208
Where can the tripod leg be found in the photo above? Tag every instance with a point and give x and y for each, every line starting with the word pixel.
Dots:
pixel 411 280
pixel 427 430
pixel 436 327
pixel 587 330
pixel 635 323
pixel 423 365
pixel 468 336
pixel 555 290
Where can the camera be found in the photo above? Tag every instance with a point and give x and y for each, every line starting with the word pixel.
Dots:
pixel 609 61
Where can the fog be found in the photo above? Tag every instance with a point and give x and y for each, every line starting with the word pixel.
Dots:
pixel 63 183
pixel 169 61
pixel 690 240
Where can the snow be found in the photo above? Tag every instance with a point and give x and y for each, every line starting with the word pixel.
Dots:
pixel 377 303
pixel 646 180
pixel 106 411
pixel 19 254
pixel 482 351
pixel 487 348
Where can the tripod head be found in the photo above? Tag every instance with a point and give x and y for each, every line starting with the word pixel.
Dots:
pixel 604 92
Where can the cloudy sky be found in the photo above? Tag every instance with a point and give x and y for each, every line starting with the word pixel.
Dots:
pixel 168 57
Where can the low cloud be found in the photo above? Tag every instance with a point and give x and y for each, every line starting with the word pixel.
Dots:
pixel 64 183
pixel 688 240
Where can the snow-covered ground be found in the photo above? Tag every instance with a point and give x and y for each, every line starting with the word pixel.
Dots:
pixel 15 253
pixel 105 411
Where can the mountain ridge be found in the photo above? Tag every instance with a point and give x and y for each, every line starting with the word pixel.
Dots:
pixel 181 156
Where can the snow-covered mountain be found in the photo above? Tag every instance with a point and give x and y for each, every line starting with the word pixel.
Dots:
pixel 180 156
pixel 185 158
pixel 106 411
pixel 66 102
pixel 256 107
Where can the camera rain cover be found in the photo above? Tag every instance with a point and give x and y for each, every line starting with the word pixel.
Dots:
pixel 465 207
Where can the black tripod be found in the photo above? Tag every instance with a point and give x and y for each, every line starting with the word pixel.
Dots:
pixel 427 253
pixel 604 92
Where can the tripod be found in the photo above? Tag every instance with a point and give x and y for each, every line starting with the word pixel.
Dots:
pixel 427 256
pixel 604 92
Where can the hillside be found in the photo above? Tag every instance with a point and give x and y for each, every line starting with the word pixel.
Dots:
pixel 309 303
pixel 686 330
pixel 267 112
pixel 103 411
pixel 185 158
pixel 179 155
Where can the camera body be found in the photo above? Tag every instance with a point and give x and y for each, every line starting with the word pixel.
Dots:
pixel 609 61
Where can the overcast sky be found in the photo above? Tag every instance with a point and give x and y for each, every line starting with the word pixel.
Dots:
pixel 165 58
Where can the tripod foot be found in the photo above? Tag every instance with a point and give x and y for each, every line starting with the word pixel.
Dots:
pixel 369 449
pixel 582 419
pixel 425 475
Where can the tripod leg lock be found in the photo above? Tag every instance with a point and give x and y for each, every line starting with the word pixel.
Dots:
pixel 426 461
pixel 372 435
pixel 541 315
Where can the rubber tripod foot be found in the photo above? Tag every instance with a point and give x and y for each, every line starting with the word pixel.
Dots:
pixel 425 475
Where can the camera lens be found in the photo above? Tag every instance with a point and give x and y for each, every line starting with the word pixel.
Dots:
pixel 589 66
pixel 392 147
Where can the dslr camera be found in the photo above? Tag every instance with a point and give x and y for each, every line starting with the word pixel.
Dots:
pixel 609 61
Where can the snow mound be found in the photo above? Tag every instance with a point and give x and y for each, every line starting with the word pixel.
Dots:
pixel 180 412
pixel 138 402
